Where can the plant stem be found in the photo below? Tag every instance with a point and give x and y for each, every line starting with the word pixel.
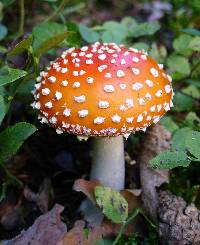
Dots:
pixel 22 14
pixel 58 10
pixel 123 226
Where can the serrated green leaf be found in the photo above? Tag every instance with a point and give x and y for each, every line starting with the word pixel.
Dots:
pixel 179 139
pixel 192 120
pixel 170 159
pixel 3 109
pixel 9 75
pixel 183 102
pixel 193 143
pixel 145 29
pixel 178 64
pixel 192 31
pixel 12 138
pixel 48 35
pixel 169 124
pixel 195 44
pixel 192 91
pixel 114 32
pixel 112 203
pixel 88 34
pixel 21 46
pixel 181 44
pixel 140 45
pixel 3 31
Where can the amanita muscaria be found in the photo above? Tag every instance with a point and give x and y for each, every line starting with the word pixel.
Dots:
pixel 106 91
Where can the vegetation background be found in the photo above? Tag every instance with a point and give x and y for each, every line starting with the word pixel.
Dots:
pixel 34 160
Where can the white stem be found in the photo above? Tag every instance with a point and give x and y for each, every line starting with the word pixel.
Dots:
pixel 108 161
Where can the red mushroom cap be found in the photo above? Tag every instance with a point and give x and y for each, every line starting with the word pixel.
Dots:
pixel 103 90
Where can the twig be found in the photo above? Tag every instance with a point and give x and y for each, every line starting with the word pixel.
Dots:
pixel 58 10
pixel 22 14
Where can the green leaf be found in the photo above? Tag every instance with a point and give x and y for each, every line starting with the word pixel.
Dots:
pixel 181 44
pixel 170 159
pixel 3 109
pixel 195 44
pixel 114 32
pixel 183 102
pixel 74 37
pixel 169 124
pixel 192 91
pixel 21 46
pixel 3 31
pixel 112 203
pixel 178 64
pixel 88 34
pixel 193 143
pixel 12 138
pixel 47 35
pixel 140 45
pixel 192 120
pixel 9 75
pixel 145 29
pixel 191 31
pixel 179 139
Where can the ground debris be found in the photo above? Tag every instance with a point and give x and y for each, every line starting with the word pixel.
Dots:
pixel 179 223
pixel 47 229
pixel 156 141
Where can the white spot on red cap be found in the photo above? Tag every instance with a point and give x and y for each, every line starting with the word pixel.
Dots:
pixel 76 85
pixel 64 70
pixel 137 86
pixel 48 105
pixel 102 56
pixel 89 62
pixel 113 61
pixel 120 73
pixel 58 95
pixel 129 103
pixel 99 120
pixel 53 120
pixel 135 59
pixel 129 119
pixel 45 91
pixel 154 72
pixel 116 118
pixel 140 118
pixel 102 67
pixel 135 71
pixel 79 99
pixel 64 83
pixel 149 83
pixel 159 93
pixel 123 62
pixel 168 88
pixel 83 113
pixel 103 104
pixel 109 88
pixel 122 86
pixel 90 79
pixel 153 108
pixel 52 79
pixel 67 112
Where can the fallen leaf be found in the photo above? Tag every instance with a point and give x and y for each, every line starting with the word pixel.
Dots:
pixel 87 187
pixel 78 235
pixel 47 229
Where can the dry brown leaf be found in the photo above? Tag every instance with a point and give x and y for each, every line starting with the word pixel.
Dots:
pixel 87 187
pixel 76 236
pixel 47 229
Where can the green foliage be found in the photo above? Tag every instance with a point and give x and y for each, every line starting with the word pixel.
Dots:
pixel 178 65
pixel 195 44
pixel 87 34
pixel 25 44
pixel 170 159
pixel 3 109
pixel 10 75
pixel 112 203
pixel 3 31
pixel 12 138
pixel 47 35
pixel 183 102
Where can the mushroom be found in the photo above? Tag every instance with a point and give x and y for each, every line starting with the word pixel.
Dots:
pixel 106 91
